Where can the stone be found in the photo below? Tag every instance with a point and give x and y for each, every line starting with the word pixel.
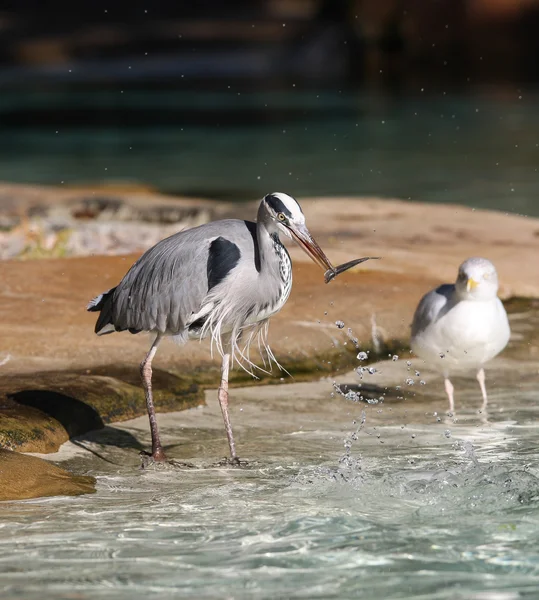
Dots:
pixel 23 477
pixel 40 411
pixel 45 222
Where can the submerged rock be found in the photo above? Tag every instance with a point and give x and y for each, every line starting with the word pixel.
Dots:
pixel 23 477
pixel 41 411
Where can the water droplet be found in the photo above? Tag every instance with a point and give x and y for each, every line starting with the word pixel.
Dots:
pixel 417 373
pixel 442 355
pixel 372 370
pixel 395 357
pixel 408 363
pixel 447 433
pixel 422 382
pixel 362 356
pixel 409 381
pixel 413 436
pixel 340 324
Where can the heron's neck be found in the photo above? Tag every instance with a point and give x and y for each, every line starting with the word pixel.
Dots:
pixel 266 246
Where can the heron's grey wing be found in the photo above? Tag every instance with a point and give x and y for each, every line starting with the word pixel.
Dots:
pixel 166 289
pixel 164 286
pixel 431 307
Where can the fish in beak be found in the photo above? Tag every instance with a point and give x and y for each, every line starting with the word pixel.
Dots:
pixel 332 273
pixel 306 241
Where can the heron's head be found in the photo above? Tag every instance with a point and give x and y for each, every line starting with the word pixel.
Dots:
pixel 282 214
pixel 477 279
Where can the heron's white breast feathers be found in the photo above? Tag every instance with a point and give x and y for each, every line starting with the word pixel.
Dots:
pixel 232 307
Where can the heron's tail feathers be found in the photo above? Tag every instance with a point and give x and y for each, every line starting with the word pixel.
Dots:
pixel 103 304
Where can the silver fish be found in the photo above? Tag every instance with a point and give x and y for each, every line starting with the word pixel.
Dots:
pixel 333 272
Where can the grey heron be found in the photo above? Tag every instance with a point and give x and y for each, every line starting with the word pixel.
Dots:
pixel 217 280
pixel 462 325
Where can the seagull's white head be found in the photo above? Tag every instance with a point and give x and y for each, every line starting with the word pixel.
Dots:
pixel 477 280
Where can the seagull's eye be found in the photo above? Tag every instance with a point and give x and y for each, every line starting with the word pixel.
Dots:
pixel 281 217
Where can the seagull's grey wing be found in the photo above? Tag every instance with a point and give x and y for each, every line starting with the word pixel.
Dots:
pixel 432 306
pixel 166 288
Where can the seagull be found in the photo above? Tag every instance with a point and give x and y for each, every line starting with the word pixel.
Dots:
pixel 221 280
pixel 462 325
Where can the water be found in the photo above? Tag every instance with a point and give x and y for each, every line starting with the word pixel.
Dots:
pixel 418 519
pixel 340 499
pixel 479 148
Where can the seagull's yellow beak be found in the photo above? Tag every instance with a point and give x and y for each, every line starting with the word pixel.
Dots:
pixel 471 284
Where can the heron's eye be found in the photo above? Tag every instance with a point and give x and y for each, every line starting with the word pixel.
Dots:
pixel 281 217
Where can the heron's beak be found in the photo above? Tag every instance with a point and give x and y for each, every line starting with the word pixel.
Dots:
pixel 306 241
pixel 471 284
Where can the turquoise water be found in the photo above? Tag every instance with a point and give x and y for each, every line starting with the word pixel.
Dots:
pixel 480 149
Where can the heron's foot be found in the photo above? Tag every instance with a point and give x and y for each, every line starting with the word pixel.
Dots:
pixel 155 457
pixel 148 461
pixel 231 462
pixel 152 459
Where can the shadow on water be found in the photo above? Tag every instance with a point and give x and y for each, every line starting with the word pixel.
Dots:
pixel 107 437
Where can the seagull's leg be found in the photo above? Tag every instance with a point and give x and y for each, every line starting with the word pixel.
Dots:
pixel 158 453
pixel 481 380
pixel 223 402
pixel 449 391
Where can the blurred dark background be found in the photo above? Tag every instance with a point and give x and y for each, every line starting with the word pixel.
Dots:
pixel 426 99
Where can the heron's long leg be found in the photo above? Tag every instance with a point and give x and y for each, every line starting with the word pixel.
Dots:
pixel 146 374
pixel 481 380
pixel 223 402
pixel 449 391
